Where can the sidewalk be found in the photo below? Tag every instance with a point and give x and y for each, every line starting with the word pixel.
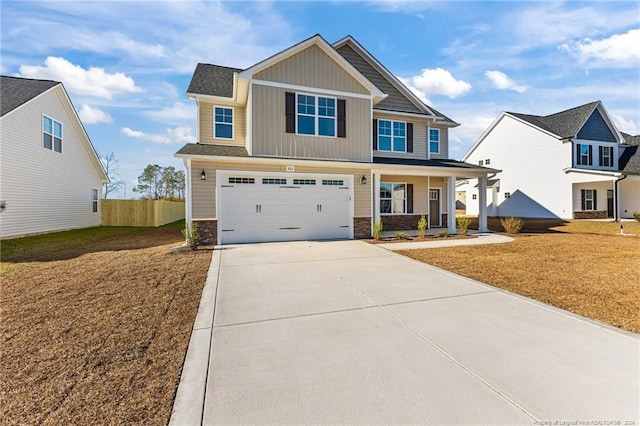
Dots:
pixel 444 242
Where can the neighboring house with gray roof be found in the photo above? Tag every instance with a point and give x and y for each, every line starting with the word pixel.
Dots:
pixel 317 141
pixel 571 164
pixel 50 175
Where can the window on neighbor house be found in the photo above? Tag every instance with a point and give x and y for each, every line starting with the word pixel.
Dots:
pixel 584 155
pixel 480 162
pixel 94 200
pixel 316 115
pixel 588 198
pixel 393 198
pixel 51 134
pixel 392 136
pixel 606 156
pixel 507 195
pixel 434 141
pixel 223 123
pixel 487 161
pixel 474 196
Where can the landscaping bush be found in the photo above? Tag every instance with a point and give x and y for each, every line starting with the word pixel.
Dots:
pixel 377 230
pixel 422 226
pixel 463 224
pixel 402 236
pixel 512 225
pixel 443 234
pixel 190 233
pixel 637 216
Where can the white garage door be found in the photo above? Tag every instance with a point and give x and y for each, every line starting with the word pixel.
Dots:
pixel 283 207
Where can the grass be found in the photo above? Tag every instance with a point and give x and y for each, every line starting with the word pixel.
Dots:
pixel 95 324
pixel 582 266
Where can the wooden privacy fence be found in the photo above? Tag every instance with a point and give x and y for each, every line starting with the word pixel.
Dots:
pixel 140 212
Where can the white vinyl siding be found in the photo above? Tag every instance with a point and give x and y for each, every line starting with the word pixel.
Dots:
pixel 56 197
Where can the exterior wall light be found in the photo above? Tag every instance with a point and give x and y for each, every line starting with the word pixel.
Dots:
pixel 363 180
pixel 203 175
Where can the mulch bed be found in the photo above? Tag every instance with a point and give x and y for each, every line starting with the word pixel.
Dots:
pixel 417 239
pixel 98 334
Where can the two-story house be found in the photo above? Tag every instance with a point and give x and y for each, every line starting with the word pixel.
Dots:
pixel 318 141
pixel 571 164
pixel 50 175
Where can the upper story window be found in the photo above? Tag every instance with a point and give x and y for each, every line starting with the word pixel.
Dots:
pixel 51 134
pixel 434 141
pixel 584 155
pixel 316 115
pixel 223 123
pixel 392 136
pixel 606 156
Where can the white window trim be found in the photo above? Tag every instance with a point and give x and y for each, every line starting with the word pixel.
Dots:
pixel 392 122
pixel 233 119
pixel 610 156
pixel 429 141
pixel 405 199
pixel 317 116
pixel 96 201
pixel 53 126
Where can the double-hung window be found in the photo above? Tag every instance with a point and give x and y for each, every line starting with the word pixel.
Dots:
pixel 94 200
pixel 434 141
pixel 588 198
pixel 223 123
pixel 51 134
pixel 606 156
pixel 583 152
pixel 316 115
pixel 393 198
pixel 392 136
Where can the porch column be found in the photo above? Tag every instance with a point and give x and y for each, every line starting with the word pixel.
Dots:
pixel 451 202
pixel 482 204
pixel 376 198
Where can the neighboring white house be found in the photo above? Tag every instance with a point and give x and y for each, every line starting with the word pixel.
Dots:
pixel 572 164
pixel 50 175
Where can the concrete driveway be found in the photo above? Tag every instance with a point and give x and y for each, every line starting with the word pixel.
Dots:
pixel 344 332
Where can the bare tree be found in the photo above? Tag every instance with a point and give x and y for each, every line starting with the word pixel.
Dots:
pixel 110 164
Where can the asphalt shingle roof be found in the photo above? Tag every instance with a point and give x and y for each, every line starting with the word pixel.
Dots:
pixel 213 80
pixel 15 91
pixel 428 163
pixel 565 124
pixel 629 162
pixel 215 150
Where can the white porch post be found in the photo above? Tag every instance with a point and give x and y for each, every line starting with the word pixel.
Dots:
pixel 482 204
pixel 451 202
pixel 376 199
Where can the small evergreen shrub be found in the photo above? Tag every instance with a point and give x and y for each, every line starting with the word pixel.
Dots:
pixel 443 234
pixel 190 233
pixel 422 226
pixel 637 216
pixel 512 225
pixel 377 230
pixel 463 224
pixel 402 236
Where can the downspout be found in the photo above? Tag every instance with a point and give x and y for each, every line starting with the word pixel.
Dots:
pixel 615 194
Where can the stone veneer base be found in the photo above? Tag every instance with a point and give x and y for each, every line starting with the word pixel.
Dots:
pixel 590 214
pixel 361 227
pixel 207 230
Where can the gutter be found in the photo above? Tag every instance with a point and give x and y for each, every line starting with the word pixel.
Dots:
pixel 616 184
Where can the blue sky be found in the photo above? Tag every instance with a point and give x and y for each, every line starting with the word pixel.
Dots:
pixel 127 65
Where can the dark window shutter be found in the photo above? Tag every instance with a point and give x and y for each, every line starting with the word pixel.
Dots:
pixel 409 137
pixel 601 150
pixel 578 156
pixel 583 200
pixel 590 155
pixel 595 199
pixel 290 111
pixel 409 198
pixel 342 118
pixel 375 133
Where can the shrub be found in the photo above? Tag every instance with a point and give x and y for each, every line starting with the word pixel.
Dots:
pixel 422 226
pixel 190 233
pixel 443 234
pixel 463 224
pixel 512 225
pixel 402 236
pixel 377 230
pixel 637 216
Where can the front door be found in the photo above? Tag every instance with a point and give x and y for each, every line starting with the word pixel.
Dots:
pixel 609 203
pixel 434 208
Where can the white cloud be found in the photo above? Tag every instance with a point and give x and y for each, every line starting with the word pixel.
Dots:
pixel 93 81
pixel 501 81
pixel 617 50
pixel 179 111
pixel 437 82
pixel 171 136
pixel 90 115
pixel 628 126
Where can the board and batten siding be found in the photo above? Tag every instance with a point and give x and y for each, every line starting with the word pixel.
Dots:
pixel 44 190
pixel 312 67
pixel 269 137
pixel 420 138
pixel 205 111
pixel 203 191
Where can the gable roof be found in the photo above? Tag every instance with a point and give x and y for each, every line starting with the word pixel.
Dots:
pixel 629 162
pixel 17 91
pixel 564 124
pixel 399 98
pixel 213 80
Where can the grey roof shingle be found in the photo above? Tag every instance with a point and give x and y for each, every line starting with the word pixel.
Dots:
pixel 16 91
pixel 565 124
pixel 213 80
pixel 629 162
pixel 429 163
pixel 215 150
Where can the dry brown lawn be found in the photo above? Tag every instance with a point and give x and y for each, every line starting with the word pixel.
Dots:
pixel 581 266
pixel 95 325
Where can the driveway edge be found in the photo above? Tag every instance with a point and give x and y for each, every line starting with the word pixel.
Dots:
pixel 188 405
